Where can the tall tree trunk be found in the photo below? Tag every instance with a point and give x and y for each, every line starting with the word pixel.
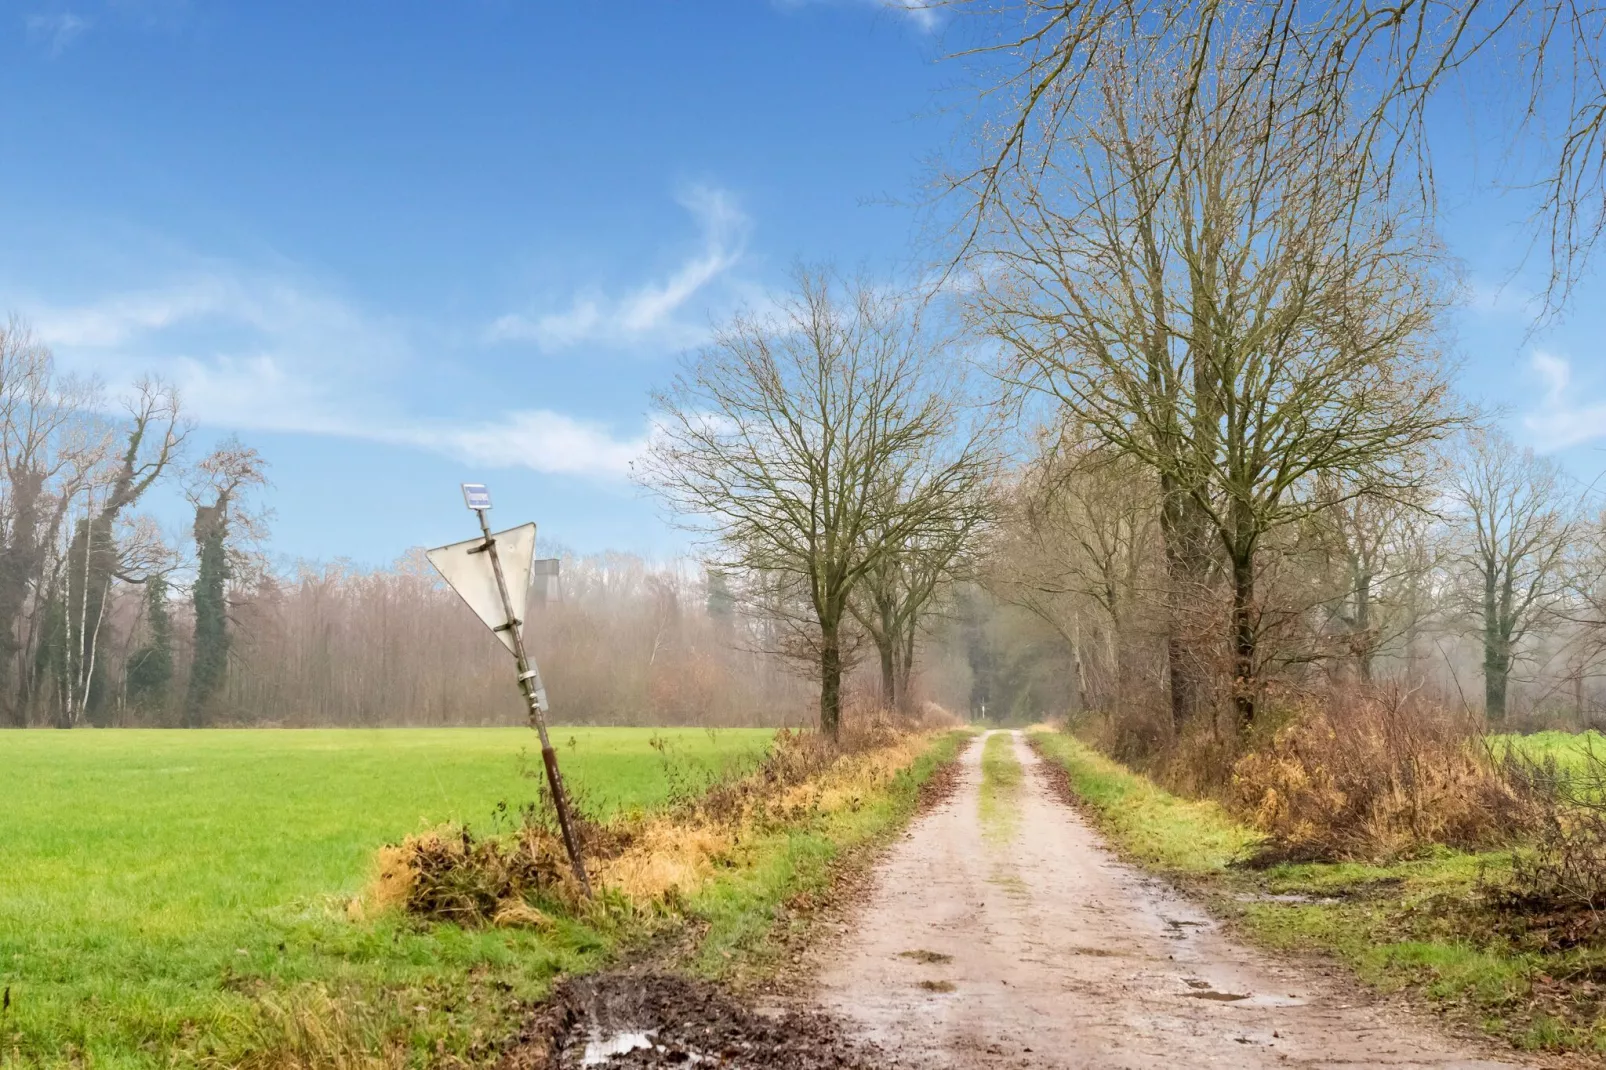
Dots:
pixel 20 563
pixel 906 665
pixel 1077 690
pixel 1365 641
pixel 1243 638
pixel 889 677
pixel 1496 674
pixel 830 681
pixel 1186 575
pixel 1496 659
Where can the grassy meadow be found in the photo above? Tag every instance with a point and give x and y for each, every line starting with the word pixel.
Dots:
pixel 159 888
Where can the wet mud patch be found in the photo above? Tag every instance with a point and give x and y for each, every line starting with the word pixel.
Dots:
pixel 620 1021
pixel 927 957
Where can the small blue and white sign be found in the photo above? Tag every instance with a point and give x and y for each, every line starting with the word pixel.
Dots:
pixel 476 496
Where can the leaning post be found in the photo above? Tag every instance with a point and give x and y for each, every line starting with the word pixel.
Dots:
pixel 529 684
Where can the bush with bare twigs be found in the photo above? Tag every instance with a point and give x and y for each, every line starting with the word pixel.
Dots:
pixel 1380 773
pixel 1554 897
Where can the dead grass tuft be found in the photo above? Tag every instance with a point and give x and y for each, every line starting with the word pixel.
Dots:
pixel 1369 774
pixel 450 874
pixel 649 860
pixel 665 859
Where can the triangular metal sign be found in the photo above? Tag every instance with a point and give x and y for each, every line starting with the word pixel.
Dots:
pixel 467 568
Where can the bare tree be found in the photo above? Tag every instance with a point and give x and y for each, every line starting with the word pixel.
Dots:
pixel 814 442
pixel 1516 524
pixel 900 588
pixel 1376 564
pixel 95 558
pixel 1206 276
pixel 1388 59
pixel 50 452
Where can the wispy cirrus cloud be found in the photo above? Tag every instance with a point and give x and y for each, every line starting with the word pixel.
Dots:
pixel 55 31
pixel 260 352
pixel 538 439
pixel 655 313
pixel 1562 419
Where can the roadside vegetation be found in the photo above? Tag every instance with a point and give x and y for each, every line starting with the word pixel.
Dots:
pixel 1446 924
pixel 223 906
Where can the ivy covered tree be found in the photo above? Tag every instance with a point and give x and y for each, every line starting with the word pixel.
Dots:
pixel 220 482
pixel 149 678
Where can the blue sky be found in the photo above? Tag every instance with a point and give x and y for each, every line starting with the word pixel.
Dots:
pixel 400 245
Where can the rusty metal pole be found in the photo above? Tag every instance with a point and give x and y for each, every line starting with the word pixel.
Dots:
pixel 535 698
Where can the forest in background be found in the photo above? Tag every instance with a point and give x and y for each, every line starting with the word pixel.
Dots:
pixel 105 619
pixel 1486 588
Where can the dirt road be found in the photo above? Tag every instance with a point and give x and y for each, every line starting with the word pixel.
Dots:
pixel 1045 951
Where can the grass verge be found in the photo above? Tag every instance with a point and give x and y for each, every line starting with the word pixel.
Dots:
pixel 1420 925
pixel 1000 785
pixel 188 898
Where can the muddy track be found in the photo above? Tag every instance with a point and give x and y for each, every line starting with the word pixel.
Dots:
pixel 1041 949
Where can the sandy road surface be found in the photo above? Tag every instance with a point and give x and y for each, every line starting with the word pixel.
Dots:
pixel 1045 951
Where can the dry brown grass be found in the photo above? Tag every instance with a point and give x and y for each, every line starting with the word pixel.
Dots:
pixel 648 860
pixel 1379 773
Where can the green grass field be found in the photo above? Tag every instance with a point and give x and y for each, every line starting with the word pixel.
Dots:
pixel 154 885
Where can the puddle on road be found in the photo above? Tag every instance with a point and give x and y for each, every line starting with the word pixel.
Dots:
pixel 1203 989
pixel 599 1049
pixel 937 986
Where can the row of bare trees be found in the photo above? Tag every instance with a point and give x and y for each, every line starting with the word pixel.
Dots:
pixel 75 467
pixel 831 455
pixel 1202 233
pixel 1487 584
pixel 619 641
pixel 1201 238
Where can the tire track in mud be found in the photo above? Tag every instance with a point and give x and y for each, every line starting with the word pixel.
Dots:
pixel 1044 950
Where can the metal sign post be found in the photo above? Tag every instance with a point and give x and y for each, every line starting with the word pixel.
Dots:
pixel 511 632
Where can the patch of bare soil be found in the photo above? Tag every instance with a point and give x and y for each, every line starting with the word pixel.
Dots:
pixel 1046 951
pixel 811 918
pixel 630 1021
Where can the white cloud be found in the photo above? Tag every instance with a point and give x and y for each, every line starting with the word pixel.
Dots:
pixel 1562 420
pixel 268 353
pixel 55 32
pixel 537 439
pixel 116 320
pixel 649 313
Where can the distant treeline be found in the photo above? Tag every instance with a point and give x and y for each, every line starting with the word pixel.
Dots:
pixel 107 620
pixel 619 642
